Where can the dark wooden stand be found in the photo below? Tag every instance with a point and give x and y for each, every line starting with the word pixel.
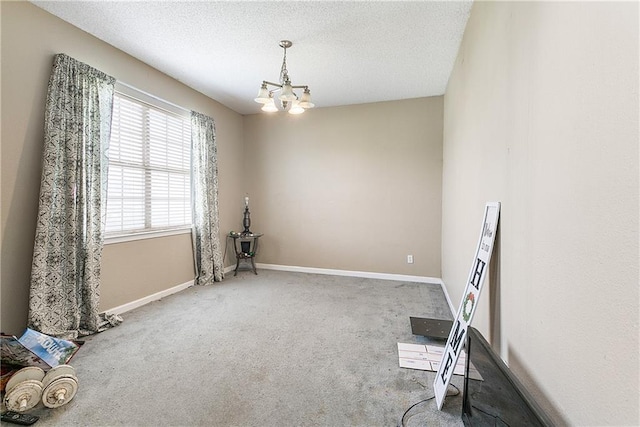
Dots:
pixel 245 246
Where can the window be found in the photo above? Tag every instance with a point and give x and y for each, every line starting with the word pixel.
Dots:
pixel 149 185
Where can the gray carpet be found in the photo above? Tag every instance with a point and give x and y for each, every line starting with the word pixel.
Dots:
pixel 276 349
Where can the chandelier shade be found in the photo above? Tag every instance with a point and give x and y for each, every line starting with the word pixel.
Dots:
pixel 270 106
pixel 263 95
pixel 287 93
pixel 296 108
pixel 305 101
pixel 289 99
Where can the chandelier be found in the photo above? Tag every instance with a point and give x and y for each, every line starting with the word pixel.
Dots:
pixel 289 100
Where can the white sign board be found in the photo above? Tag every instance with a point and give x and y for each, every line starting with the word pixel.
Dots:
pixel 469 302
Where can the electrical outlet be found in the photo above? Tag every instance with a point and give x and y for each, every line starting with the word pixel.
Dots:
pixel 409 259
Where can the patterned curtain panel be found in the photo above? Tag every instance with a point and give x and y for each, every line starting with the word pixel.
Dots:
pixel 65 274
pixel 204 177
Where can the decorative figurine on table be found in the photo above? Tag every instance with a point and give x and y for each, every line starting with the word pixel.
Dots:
pixel 246 221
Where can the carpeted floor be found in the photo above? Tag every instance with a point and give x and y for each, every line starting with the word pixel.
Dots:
pixel 276 349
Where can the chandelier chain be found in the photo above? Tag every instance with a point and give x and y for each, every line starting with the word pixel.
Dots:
pixel 284 74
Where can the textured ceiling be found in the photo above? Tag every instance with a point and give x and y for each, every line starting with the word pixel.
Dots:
pixel 347 52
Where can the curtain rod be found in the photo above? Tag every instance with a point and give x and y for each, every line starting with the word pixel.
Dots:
pixel 128 86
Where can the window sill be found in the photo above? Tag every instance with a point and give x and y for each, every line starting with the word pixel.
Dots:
pixel 145 235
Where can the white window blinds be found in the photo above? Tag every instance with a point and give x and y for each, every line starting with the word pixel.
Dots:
pixel 149 186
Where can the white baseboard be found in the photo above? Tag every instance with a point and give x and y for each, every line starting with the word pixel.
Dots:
pixel 365 274
pixel 351 273
pixel 446 295
pixel 313 270
pixel 150 298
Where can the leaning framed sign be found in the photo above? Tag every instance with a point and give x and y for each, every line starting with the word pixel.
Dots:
pixel 469 301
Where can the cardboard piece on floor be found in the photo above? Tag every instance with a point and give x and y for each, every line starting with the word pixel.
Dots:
pixel 427 358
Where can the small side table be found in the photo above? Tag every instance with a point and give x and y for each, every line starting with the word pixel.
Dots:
pixel 245 245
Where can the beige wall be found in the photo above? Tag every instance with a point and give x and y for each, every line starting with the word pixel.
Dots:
pixel 541 113
pixel 349 188
pixel 30 38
